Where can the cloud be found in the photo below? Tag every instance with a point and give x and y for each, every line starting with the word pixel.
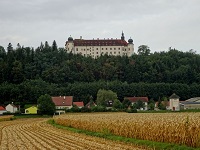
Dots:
pixel 159 24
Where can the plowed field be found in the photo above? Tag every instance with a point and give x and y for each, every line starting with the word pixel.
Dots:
pixel 36 134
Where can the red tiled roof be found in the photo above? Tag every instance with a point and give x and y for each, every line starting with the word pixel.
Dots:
pixel 79 104
pixel 2 108
pixel 135 99
pixel 100 42
pixel 63 100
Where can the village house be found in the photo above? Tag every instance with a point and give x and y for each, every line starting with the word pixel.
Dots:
pixel 62 103
pixel 90 104
pixel 136 99
pixel 2 110
pixel 79 104
pixel 11 108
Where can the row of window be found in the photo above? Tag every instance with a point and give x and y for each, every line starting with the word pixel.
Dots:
pixel 101 49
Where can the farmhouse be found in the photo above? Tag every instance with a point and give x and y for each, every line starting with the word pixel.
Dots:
pixel 31 110
pixel 62 103
pixel 11 108
pixel 2 110
pixel 79 104
pixel 136 99
pixel 90 104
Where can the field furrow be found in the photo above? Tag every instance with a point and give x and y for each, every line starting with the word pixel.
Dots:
pixel 36 134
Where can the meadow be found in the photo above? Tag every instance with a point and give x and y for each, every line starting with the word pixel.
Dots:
pixel 178 128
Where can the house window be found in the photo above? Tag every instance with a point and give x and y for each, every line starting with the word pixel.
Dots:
pixel 97 52
pixel 96 48
pixel 106 48
pixel 110 48
pixel 119 48
pixel 76 49
pixel 102 48
pixel 114 48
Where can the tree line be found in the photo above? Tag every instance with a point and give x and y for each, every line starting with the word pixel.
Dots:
pixel 26 73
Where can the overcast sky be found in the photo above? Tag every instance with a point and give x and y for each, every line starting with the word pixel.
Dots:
pixel 160 24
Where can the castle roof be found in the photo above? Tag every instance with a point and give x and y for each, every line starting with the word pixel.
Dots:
pixel 100 42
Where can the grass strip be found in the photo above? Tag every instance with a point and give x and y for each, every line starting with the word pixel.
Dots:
pixel 144 143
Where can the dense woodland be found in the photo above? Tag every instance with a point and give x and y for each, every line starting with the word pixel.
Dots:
pixel 27 73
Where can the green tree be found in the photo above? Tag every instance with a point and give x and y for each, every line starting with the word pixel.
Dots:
pixel 126 103
pixel 151 104
pixel 45 105
pixel 105 95
pixel 140 104
pixel 143 50
pixel 117 104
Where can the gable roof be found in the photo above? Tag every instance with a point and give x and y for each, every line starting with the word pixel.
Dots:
pixel 12 105
pixel 63 100
pixel 100 42
pixel 2 108
pixel 135 99
pixel 79 104
pixel 90 104
pixel 174 96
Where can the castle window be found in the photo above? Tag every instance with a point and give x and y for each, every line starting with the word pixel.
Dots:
pixel 114 52
pixel 110 48
pixel 102 48
pixel 119 48
pixel 114 48
pixel 97 52
pixel 96 48
pixel 106 48
pixel 76 49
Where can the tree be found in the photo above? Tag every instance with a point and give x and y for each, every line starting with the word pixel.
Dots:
pixel 140 104
pixel 117 104
pixel 105 95
pixel 54 46
pixel 151 104
pixel 126 103
pixel 45 105
pixel 143 50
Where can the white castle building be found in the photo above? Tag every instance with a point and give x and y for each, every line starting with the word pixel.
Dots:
pixel 98 47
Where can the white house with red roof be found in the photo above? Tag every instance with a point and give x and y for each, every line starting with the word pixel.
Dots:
pixel 136 99
pixel 79 104
pixel 11 108
pixel 2 110
pixel 62 103
pixel 98 47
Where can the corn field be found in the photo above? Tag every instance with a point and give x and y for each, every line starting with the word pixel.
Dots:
pixel 36 134
pixel 179 128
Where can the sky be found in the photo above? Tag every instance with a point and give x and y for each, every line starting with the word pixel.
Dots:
pixel 159 24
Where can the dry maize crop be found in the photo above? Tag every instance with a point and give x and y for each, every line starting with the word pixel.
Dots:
pixel 180 128
pixel 36 134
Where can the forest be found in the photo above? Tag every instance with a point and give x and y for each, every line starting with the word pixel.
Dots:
pixel 27 73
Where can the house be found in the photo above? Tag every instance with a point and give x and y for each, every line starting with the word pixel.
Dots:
pixel 192 103
pixel 31 110
pixel 136 99
pixel 79 104
pixel 164 103
pixel 2 110
pixel 90 104
pixel 62 103
pixel 11 108
pixel 174 102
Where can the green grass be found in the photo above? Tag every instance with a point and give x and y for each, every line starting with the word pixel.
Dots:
pixel 143 143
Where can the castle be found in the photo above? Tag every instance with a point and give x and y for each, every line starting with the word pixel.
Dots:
pixel 98 47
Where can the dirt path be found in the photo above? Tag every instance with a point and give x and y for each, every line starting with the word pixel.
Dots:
pixel 36 134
